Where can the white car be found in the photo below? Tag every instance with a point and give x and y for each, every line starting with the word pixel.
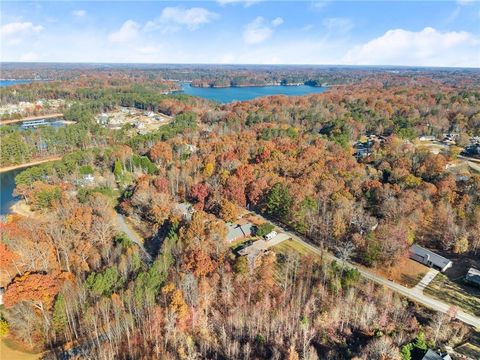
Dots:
pixel 271 235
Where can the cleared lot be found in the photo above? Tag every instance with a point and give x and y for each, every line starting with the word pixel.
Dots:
pixel 406 272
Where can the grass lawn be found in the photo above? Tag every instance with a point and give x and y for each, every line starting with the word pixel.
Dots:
pixel 11 350
pixel 470 350
pixel 406 272
pixel 289 246
pixel 455 293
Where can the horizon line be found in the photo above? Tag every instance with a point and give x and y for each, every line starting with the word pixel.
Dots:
pixel 240 64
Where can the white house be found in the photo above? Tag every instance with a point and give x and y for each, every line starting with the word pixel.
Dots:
pixel 429 258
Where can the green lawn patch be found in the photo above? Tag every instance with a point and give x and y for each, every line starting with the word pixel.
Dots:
pixel 455 293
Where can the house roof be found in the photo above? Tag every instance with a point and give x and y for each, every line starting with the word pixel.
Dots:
pixel 432 355
pixel 236 231
pixel 436 259
pixel 473 275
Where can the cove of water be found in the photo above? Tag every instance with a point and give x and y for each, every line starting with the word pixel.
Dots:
pixel 7 182
pixel 7 179
pixel 230 94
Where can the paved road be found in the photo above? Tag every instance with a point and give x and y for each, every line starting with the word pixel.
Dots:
pixel 412 294
pixel 123 226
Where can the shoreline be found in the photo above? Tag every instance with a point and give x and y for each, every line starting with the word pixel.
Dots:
pixel 20 207
pixel 31 118
pixel 257 86
pixel 32 163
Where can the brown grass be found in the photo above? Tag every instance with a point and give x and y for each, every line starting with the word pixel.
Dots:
pixel 406 272
pixel 10 349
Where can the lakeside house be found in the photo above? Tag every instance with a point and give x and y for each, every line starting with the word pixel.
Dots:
pixel 473 277
pixel 429 258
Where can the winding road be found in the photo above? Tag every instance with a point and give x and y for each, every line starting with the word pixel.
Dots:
pixel 413 294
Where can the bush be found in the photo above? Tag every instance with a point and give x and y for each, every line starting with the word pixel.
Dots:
pixel 264 229
pixel 241 265
pixel 4 328
pixel 86 170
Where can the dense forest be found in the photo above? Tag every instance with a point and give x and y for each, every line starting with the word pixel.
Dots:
pixel 78 287
pixel 205 75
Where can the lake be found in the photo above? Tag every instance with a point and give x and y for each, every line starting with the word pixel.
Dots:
pixel 7 181
pixel 16 82
pixel 221 95
pixel 227 95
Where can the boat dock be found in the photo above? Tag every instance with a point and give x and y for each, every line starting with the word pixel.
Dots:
pixel 32 119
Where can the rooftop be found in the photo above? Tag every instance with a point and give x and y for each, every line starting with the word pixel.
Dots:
pixel 473 275
pixel 236 231
pixel 434 258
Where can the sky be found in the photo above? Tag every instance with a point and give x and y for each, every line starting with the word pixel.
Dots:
pixel 407 33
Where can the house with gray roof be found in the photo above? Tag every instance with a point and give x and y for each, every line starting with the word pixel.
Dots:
pixel 237 231
pixel 473 277
pixel 432 355
pixel 429 258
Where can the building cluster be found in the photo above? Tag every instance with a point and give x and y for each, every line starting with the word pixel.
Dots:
pixel 23 108
pixel 365 148
pixel 142 121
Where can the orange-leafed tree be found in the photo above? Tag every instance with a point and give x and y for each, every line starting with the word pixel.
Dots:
pixel 38 289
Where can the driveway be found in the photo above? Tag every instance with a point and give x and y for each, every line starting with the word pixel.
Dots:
pixel 132 235
pixel 427 279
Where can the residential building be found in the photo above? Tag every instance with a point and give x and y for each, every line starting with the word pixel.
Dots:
pixel 237 231
pixel 429 258
pixel 432 355
pixel 473 277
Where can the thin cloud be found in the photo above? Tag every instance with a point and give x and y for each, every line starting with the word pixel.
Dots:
pixel 15 33
pixel 338 24
pixel 277 21
pixel 79 13
pixel 320 4
pixel 19 28
pixel 245 3
pixel 127 33
pixel 465 2
pixel 175 18
pixel 260 30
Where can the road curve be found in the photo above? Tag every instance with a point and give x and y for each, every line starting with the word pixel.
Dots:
pixel 412 294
